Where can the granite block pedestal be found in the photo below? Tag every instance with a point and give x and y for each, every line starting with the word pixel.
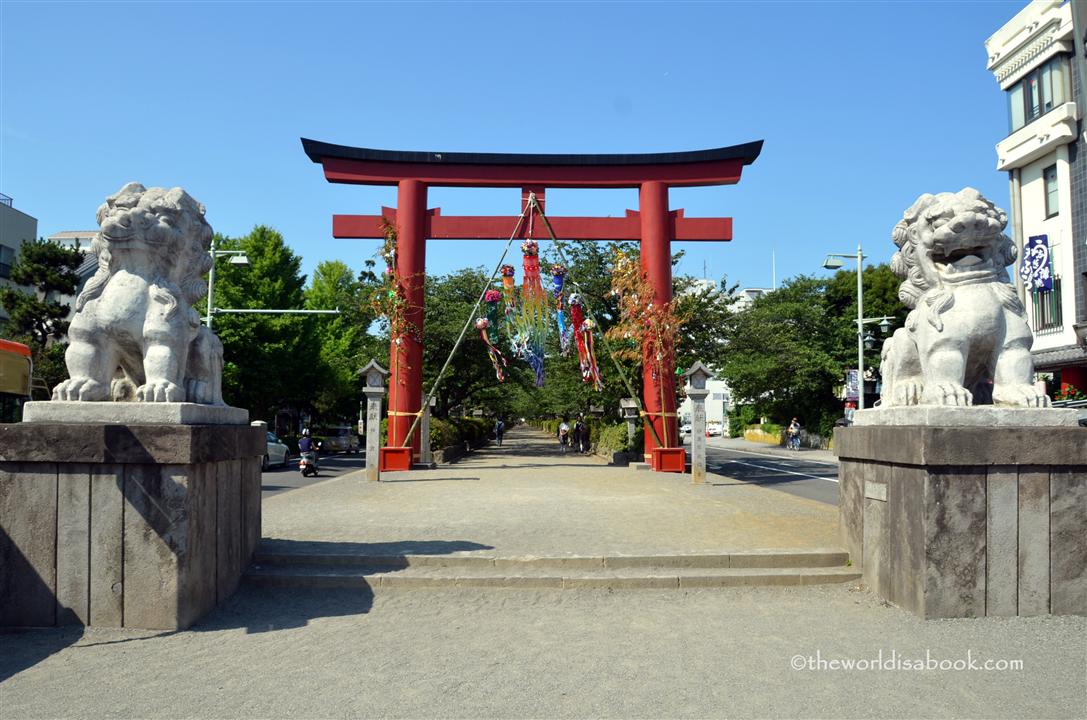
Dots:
pixel 962 518
pixel 125 525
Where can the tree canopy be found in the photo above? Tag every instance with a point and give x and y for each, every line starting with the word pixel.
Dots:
pixel 37 317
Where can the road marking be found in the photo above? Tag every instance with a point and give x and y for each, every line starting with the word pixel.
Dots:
pixel 767 455
pixel 787 472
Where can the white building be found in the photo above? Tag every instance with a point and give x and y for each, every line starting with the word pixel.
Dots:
pixel 746 297
pixel 1035 59
pixel 16 227
pixel 717 404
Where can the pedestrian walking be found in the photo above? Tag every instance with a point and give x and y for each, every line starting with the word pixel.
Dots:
pixel 581 435
pixel 499 430
pixel 564 436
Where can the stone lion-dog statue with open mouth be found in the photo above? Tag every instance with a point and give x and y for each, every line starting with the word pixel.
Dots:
pixel 966 339
pixel 135 335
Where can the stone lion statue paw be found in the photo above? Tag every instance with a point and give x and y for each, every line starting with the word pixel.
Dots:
pixel 946 393
pixel 1020 395
pixel 908 393
pixel 160 391
pixel 81 389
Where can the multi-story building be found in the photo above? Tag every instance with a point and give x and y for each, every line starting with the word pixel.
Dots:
pixel 16 227
pixel 1038 61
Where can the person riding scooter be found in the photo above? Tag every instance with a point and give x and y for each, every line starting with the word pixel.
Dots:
pixel 308 449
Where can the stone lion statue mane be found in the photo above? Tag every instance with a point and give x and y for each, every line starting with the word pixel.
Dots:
pixel 966 339
pixel 135 334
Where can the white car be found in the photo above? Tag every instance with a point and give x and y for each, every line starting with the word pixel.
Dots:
pixel 685 429
pixel 276 453
pixel 714 430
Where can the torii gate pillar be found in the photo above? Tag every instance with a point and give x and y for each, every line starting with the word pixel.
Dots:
pixel 406 350
pixel 659 391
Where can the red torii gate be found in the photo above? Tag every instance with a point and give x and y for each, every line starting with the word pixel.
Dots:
pixel 654 226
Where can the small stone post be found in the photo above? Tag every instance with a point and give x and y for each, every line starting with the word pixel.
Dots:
pixel 629 409
pixel 374 390
pixel 696 390
pixel 426 455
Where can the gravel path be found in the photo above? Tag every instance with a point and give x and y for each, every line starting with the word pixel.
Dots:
pixel 573 654
pixel 526 499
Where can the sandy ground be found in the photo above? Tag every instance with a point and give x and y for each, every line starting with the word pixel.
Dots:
pixel 526 499
pixel 561 654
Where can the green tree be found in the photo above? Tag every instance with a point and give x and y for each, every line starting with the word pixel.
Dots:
pixel 49 270
pixel 880 300
pixel 270 361
pixel 37 317
pixel 341 339
pixel 781 354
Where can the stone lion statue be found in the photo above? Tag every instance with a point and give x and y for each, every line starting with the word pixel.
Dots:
pixel 966 340
pixel 135 335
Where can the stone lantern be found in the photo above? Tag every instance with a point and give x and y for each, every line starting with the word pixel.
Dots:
pixel 374 389
pixel 697 375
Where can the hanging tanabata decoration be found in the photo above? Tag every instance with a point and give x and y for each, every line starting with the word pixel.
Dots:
pixel 498 360
pixel 532 320
pixel 558 280
pixel 590 371
pixel 583 338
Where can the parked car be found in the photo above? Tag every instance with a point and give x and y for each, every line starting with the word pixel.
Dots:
pixel 341 438
pixel 685 429
pixel 276 452
pixel 714 429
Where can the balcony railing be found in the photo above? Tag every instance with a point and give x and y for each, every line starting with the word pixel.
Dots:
pixel 1046 307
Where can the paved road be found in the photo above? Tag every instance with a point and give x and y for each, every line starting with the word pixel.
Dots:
pixel 281 479
pixel 805 477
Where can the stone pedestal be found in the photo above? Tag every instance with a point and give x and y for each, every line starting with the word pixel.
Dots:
pixel 141 526
pixel 698 433
pixel 373 431
pixel 966 520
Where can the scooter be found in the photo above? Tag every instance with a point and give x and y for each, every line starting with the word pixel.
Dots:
pixel 307 464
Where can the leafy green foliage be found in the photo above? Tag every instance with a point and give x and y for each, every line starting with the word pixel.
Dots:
pixel 340 339
pixel 269 360
pixel 36 318
pixel 788 352
pixel 49 269
pixel 781 354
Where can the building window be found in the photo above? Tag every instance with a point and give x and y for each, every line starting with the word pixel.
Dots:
pixel 1052 204
pixel 7 259
pixel 1043 89
pixel 1047 307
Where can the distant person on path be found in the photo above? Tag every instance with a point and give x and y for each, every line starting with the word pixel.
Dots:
pixel 499 429
pixel 581 435
pixel 793 435
pixel 564 436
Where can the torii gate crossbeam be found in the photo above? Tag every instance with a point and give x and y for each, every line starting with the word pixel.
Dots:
pixel 654 225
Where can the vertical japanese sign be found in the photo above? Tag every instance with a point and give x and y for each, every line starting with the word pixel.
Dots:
pixel 851 385
pixel 1035 269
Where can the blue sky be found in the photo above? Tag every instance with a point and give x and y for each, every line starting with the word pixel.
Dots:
pixel 862 106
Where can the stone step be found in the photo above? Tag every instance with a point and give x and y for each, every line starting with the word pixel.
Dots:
pixel 513 565
pixel 348 576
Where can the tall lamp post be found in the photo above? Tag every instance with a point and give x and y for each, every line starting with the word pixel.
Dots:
pixel 833 262
pixel 237 257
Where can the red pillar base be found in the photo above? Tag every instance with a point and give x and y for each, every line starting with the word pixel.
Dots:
pixel 670 459
pixel 394 459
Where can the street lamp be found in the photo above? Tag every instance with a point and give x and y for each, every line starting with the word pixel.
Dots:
pixel 834 262
pixel 237 257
